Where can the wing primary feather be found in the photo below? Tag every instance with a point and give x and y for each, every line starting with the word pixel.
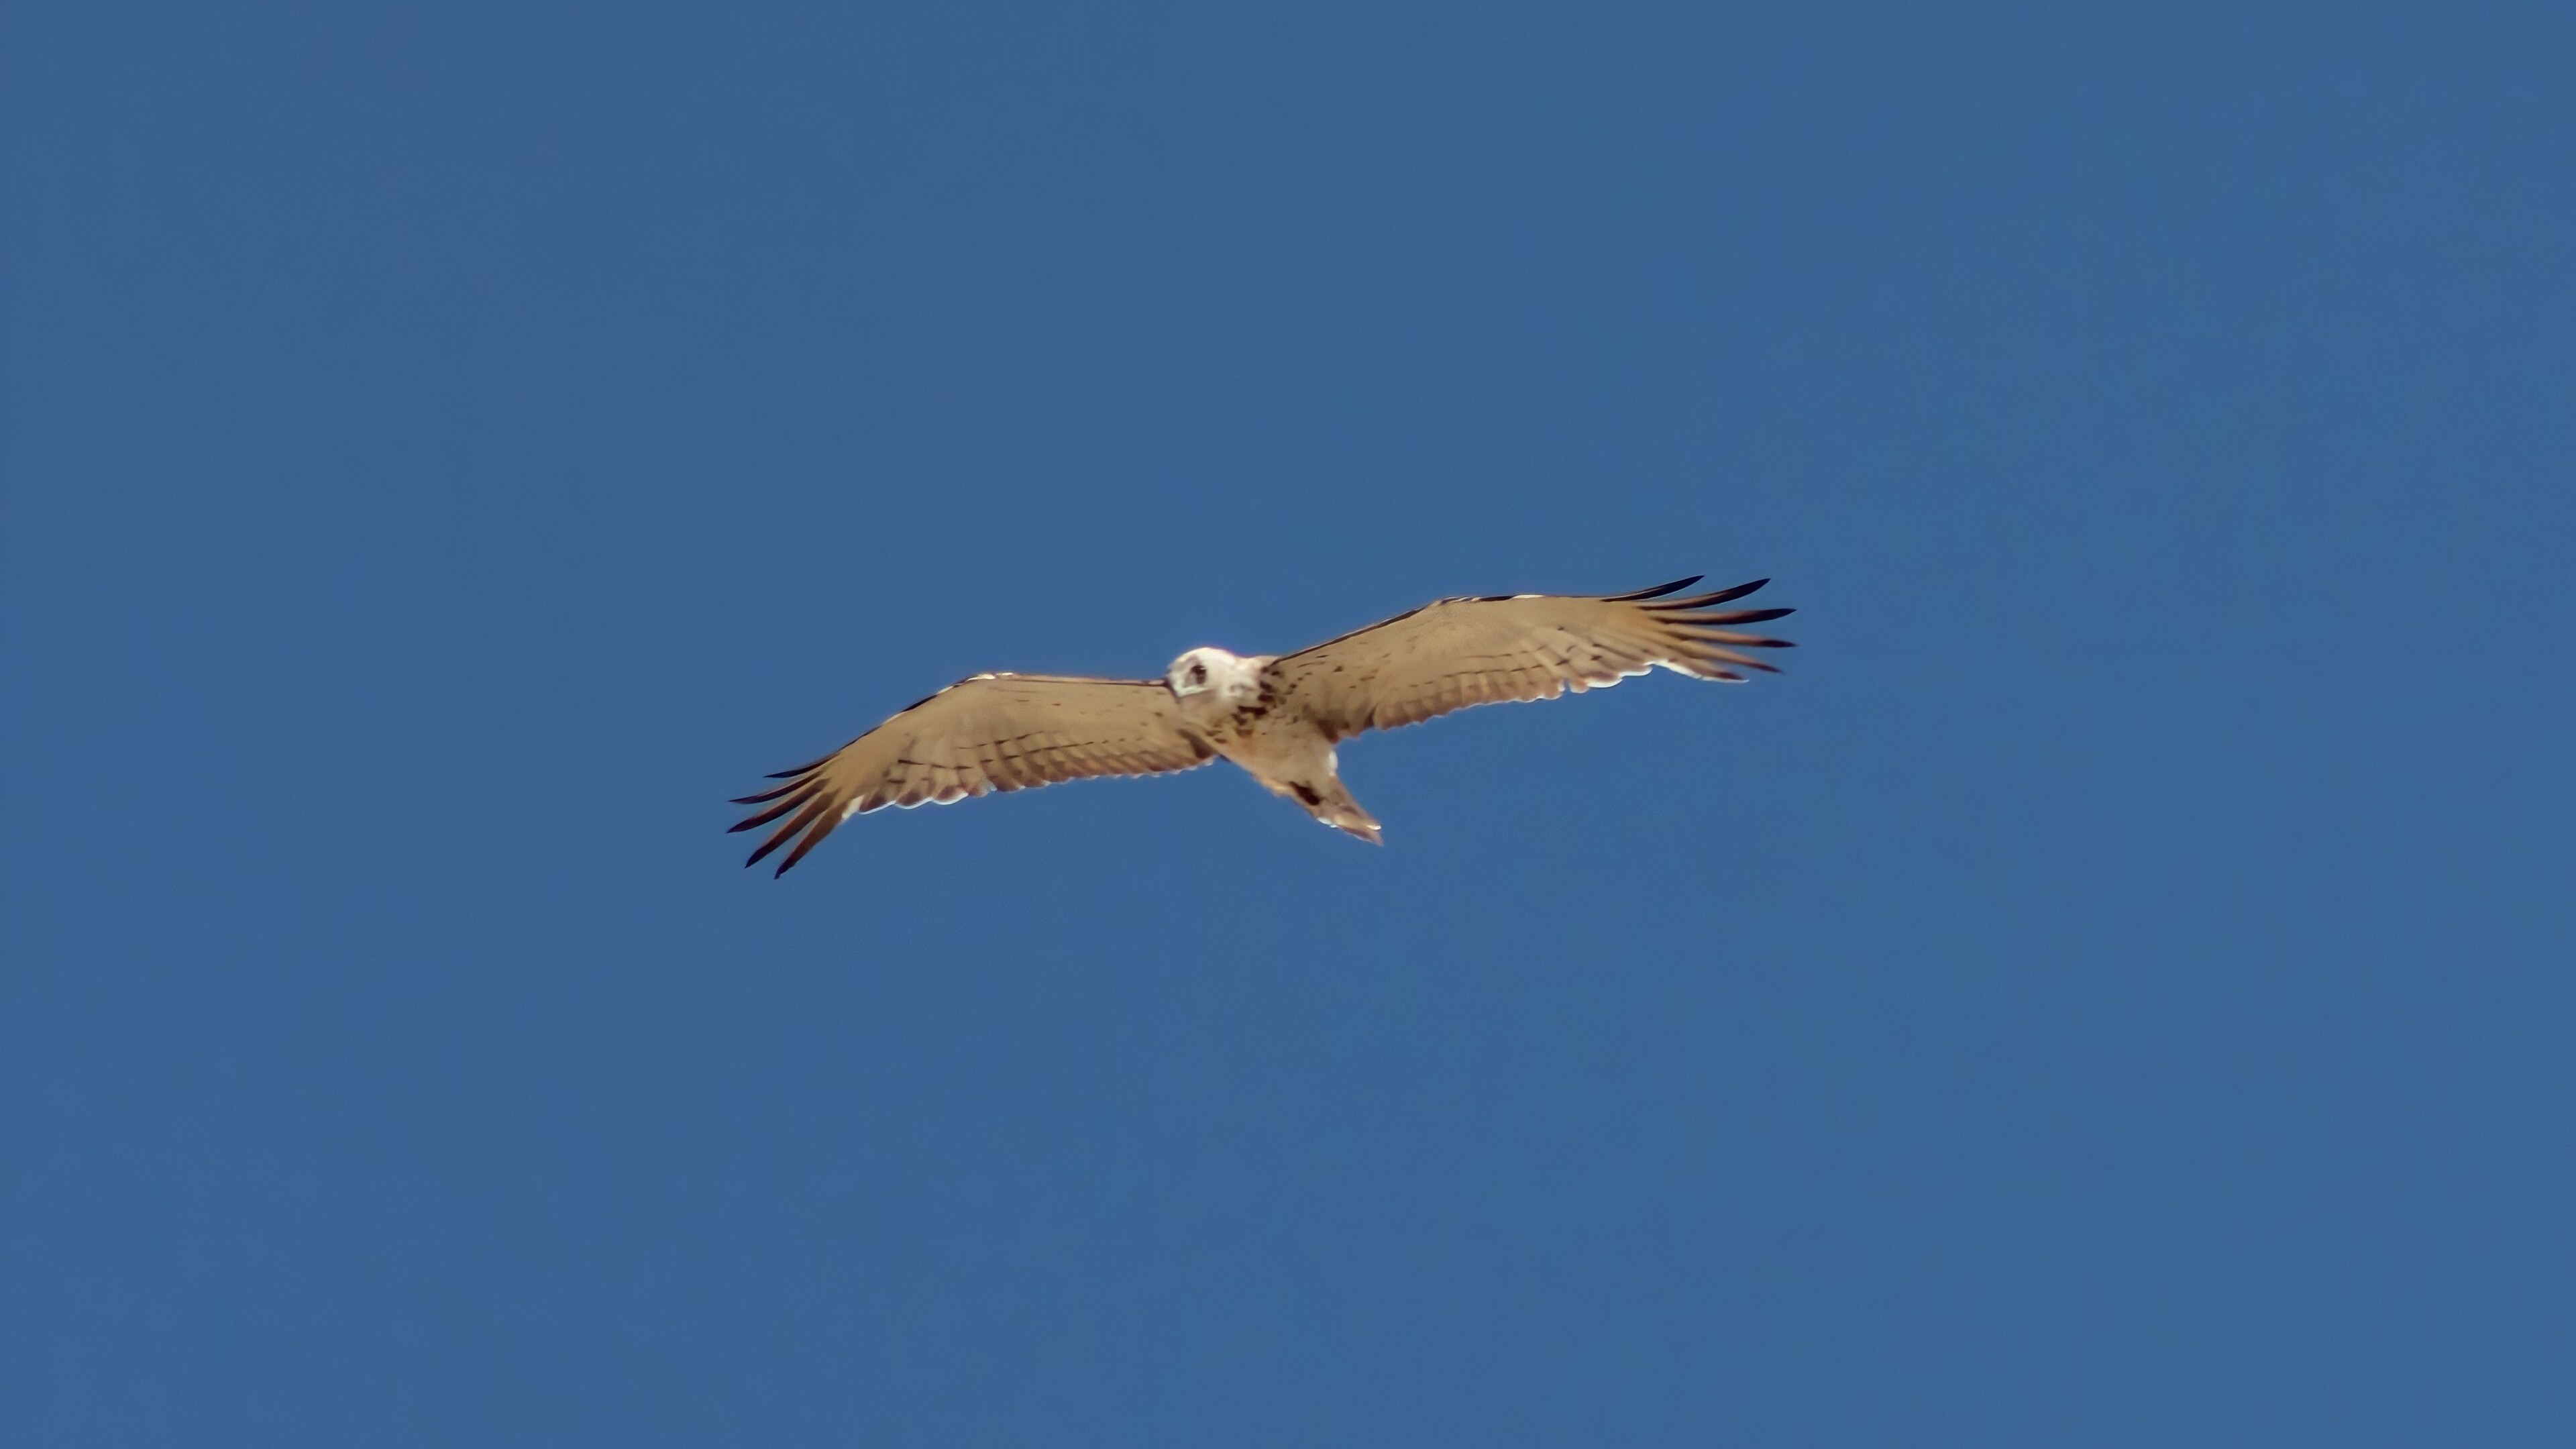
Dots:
pixel 1737 616
pixel 807 768
pixel 1704 600
pixel 820 806
pixel 765 816
pixel 812 838
pixel 789 787
pixel 1743 641
pixel 1657 592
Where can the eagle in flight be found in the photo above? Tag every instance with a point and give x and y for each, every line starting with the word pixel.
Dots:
pixel 1276 715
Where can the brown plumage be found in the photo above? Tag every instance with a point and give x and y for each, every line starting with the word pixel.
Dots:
pixel 1277 716
pixel 1461 652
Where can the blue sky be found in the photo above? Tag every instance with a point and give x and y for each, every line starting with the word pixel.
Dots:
pixel 2114 989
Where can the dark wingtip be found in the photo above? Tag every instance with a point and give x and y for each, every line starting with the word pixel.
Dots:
pixel 1706 601
pixel 1657 592
pixel 813 838
pixel 792 802
pixel 1720 597
pixel 1725 626
pixel 814 810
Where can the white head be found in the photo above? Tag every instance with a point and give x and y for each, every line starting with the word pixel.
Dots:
pixel 1233 678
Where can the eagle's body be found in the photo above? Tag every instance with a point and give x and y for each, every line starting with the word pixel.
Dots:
pixel 1239 713
pixel 1277 716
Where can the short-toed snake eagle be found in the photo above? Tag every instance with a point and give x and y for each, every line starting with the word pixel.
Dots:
pixel 1278 716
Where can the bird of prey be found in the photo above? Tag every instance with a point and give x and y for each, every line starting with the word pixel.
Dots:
pixel 1276 715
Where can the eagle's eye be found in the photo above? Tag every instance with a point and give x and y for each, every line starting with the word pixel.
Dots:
pixel 1198 674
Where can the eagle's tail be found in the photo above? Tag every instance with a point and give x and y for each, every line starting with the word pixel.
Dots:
pixel 1329 801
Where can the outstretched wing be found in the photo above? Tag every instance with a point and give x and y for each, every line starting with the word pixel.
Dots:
pixel 990 732
pixel 1459 652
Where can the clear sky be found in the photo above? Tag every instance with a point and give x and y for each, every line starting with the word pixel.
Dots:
pixel 2114 990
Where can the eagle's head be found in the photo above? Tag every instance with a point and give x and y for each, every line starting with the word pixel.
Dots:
pixel 1233 678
